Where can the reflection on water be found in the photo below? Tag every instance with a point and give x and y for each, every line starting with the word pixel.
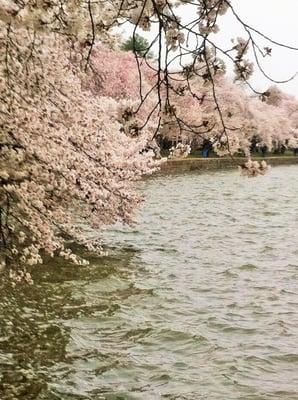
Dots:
pixel 198 301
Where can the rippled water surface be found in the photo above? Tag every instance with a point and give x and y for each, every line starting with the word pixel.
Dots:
pixel 197 301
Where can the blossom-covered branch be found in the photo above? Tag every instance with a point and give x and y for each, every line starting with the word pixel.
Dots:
pixel 78 117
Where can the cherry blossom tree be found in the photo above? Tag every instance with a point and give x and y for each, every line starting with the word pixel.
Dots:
pixel 65 161
pixel 283 110
pixel 118 79
pixel 179 40
pixel 271 123
pixel 271 117
pixel 285 101
pixel 72 141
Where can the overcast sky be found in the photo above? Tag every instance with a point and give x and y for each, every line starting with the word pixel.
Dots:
pixel 277 19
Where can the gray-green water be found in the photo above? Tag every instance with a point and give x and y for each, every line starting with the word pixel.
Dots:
pixel 198 301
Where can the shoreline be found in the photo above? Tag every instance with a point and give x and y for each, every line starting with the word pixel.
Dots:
pixel 217 163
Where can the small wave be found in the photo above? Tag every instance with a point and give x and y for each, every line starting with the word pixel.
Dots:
pixel 247 267
pixel 136 334
pixel 228 273
pixel 291 357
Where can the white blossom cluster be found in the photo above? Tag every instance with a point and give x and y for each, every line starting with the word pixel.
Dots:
pixel 293 142
pixel 254 168
pixel 64 160
pixel 72 143
pixel 241 47
pixel 180 151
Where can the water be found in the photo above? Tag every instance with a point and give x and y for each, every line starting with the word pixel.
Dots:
pixel 197 301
